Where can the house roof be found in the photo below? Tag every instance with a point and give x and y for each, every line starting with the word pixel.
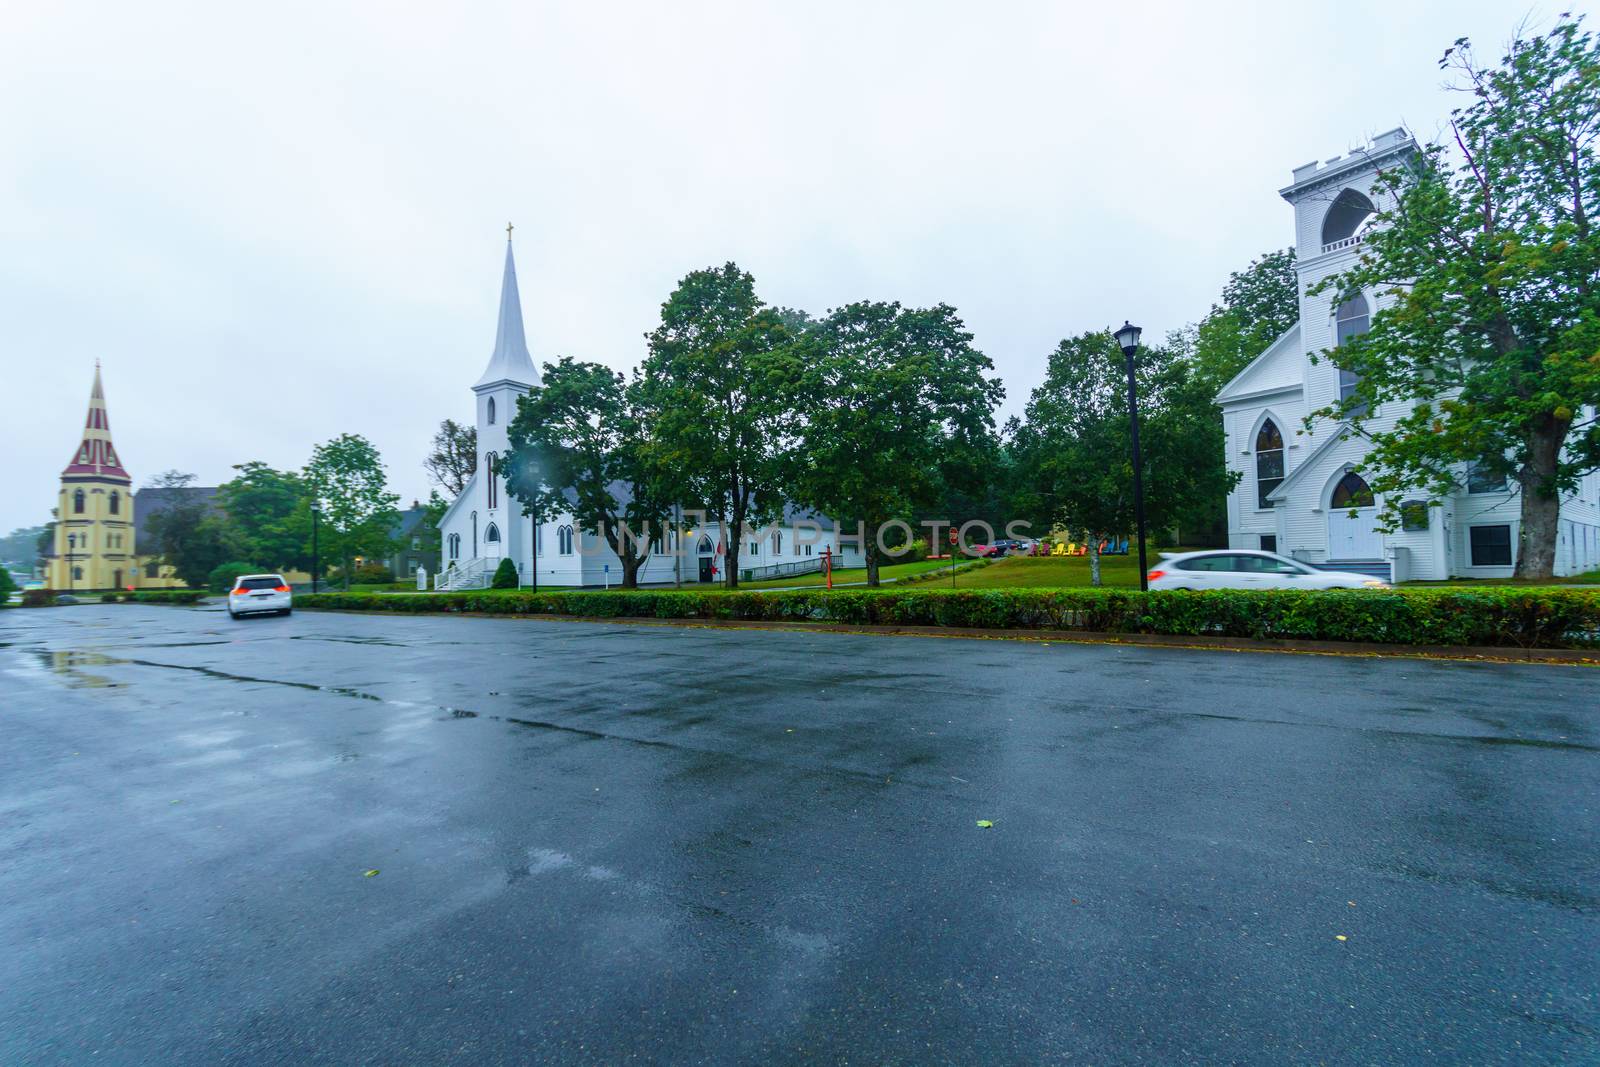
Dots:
pixel 153 500
pixel 1256 376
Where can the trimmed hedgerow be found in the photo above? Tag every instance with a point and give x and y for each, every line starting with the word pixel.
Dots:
pixel 1534 618
pixel 165 596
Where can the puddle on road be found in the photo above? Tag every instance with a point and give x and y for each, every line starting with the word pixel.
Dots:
pixel 71 665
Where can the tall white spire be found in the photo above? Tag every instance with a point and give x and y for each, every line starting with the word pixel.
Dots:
pixel 510 361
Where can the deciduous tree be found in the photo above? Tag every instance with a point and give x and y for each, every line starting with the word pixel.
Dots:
pixel 896 400
pixel 452 456
pixel 581 443
pixel 720 374
pixel 346 479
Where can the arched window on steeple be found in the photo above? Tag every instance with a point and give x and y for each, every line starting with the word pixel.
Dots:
pixel 491 411
pixel 1269 462
pixel 77 502
pixel 489 461
pixel 116 502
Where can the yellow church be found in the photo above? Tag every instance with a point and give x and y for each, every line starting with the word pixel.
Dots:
pixel 96 532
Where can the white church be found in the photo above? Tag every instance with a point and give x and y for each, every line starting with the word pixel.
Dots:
pixel 1300 493
pixel 484 525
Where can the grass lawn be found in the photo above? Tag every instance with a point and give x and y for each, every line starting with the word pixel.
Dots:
pixel 849 574
pixel 1035 572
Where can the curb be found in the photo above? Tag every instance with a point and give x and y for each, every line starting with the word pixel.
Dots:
pixel 1470 653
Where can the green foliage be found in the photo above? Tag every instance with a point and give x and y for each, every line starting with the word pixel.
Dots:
pixel 346 479
pixel 718 377
pixel 108 598
pixel 266 515
pixel 891 395
pixel 38 598
pixel 8 585
pixel 578 438
pixel 372 572
pixel 165 596
pixel 505 576
pixel 222 577
pixel 1072 453
pixel 1259 304
pixel 1506 617
pixel 1486 345
pixel 187 534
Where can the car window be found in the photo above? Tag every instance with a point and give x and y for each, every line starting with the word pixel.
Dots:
pixel 1268 565
pixel 1206 563
pixel 260 583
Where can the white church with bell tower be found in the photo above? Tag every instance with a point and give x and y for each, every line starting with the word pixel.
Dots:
pixel 484 526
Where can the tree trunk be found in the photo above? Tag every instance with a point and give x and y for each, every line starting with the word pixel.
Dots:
pixel 1541 514
pixel 1094 560
pixel 870 551
pixel 630 570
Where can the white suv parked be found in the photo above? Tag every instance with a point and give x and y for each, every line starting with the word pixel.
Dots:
pixel 1239 568
pixel 257 593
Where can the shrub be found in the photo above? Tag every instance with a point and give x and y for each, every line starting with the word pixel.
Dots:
pixel 8 585
pixel 166 596
pixel 1542 618
pixel 108 598
pixel 38 598
pixel 505 575
pixel 223 575
pixel 371 573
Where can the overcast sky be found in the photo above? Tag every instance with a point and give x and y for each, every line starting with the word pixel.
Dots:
pixel 277 223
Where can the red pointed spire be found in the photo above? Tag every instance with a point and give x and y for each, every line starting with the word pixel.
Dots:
pixel 96 458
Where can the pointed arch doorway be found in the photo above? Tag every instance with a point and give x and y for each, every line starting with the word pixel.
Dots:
pixel 1353 532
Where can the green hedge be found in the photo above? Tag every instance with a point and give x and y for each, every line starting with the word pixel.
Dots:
pixel 164 596
pixel 1533 618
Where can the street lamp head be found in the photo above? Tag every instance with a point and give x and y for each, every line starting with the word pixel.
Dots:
pixel 1128 338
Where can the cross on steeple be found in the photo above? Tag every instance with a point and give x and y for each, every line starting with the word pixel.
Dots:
pixel 508 231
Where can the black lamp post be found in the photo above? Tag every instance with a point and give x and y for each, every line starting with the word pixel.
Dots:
pixel 1128 339
pixel 316 557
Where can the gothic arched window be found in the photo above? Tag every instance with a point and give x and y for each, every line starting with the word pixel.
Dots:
pixel 77 502
pixel 474 535
pixel 1350 320
pixel 489 461
pixel 492 534
pixel 491 411
pixel 455 546
pixel 116 502
pixel 1269 462
pixel 1352 492
pixel 564 540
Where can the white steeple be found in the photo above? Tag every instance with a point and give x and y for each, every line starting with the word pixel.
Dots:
pixel 510 361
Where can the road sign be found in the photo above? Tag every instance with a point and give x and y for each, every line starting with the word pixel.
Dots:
pixel 954 537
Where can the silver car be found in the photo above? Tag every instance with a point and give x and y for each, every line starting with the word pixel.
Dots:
pixel 1241 568
pixel 255 594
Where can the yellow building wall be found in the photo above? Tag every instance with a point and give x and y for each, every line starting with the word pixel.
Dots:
pixel 94 546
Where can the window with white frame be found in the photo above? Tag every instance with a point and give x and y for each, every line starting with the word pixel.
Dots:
pixel 1269 462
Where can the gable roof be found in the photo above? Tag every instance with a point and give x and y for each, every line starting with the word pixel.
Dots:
pixel 1257 375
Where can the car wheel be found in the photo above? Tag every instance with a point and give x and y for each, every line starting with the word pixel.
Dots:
pixel 286 611
pixel 234 615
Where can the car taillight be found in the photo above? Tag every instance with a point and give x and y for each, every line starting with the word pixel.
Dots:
pixel 240 592
pixel 280 589
pixel 1153 575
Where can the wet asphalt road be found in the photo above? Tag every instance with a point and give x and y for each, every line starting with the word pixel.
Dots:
pixel 599 843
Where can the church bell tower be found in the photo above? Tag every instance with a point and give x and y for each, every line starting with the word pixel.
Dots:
pixel 94 510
